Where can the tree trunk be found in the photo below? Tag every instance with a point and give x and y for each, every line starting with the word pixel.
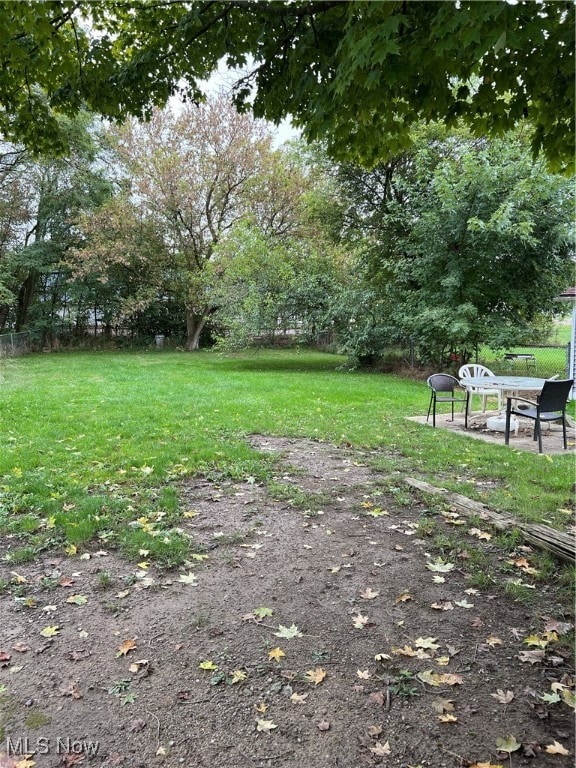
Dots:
pixel 194 326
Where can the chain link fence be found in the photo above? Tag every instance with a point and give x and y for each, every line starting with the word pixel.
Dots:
pixel 13 344
pixel 542 361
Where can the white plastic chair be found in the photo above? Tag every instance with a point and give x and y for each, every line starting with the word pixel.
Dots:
pixel 475 371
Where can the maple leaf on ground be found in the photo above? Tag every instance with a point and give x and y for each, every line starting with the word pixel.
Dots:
pixel 533 657
pixel 483 535
pixel 71 689
pixel 188 578
pixel 556 749
pixel 508 744
pixel 369 594
pixel 403 597
pixel 265 726
pixel 493 641
pixel 504 697
pixel 77 599
pixel 262 612
pixel 440 705
pixel 381 749
pixel 315 675
pixel 447 718
pixel 359 621
pixel 445 606
pixel 439 566
pixel 299 698
pixel 363 674
pixel 25 762
pixel 323 725
pixel 238 676
pixel 276 654
pixel 426 642
pixel 208 665
pixel 50 631
pixel 561 627
pixel 535 640
pixel 126 646
pixel 374 730
pixel 487 765
pixel 288 632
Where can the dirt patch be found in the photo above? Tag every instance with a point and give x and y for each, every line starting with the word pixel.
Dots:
pixel 522 440
pixel 385 656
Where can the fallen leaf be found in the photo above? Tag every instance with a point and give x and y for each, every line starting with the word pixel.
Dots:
pixel 25 762
pixel 447 718
pixel 484 535
pixel 381 749
pixel 426 642
pixel 445 606
pixel 507 744
pixel 71 689
pixel 77 599
pixel 323 725
pixel 536 640
pixel 359 621
pixel 50 631
pixel 487 765
pixel 440 705
pixel 188 578
pixel 363 674
pixel 374 730
pixel 288 632
pixel 276 654
pixel 403 597
pixel 556 749
pixel 463 604
pixel 439 566
pixel 533 657
pixel 262 612
pixel 126 646
pixel 493 641
pixel 20 648
pixel 369 594
pixel 265 726
pixel 299 698
pixel 261 707
pixel 315 675
pixel 504 697
pixel 238 676
pixel 208 665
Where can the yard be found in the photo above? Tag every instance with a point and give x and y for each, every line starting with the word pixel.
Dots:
pixel 215 561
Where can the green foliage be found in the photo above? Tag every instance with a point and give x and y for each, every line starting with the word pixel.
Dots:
pixel 357 73
pixel 467 243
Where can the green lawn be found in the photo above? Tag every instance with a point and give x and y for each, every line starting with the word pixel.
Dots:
pixel 93 442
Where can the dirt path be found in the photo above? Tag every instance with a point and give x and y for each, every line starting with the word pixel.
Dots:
pixel 330 637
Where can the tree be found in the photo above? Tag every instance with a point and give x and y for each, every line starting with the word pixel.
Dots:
pixel 468 242
pixel 39 203
pixel 358 74
pixel 188 179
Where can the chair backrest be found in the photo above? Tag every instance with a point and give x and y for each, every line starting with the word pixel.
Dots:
pixel 442 382
pixel 474 371
pixel 554 395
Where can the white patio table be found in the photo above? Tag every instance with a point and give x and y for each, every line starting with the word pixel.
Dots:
pixel 508 385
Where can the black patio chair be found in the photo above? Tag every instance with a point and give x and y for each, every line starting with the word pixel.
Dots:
pixel 550 406
pixel 443 386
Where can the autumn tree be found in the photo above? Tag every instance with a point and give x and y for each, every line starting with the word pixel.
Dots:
pixel 357 74
pixel 188 178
